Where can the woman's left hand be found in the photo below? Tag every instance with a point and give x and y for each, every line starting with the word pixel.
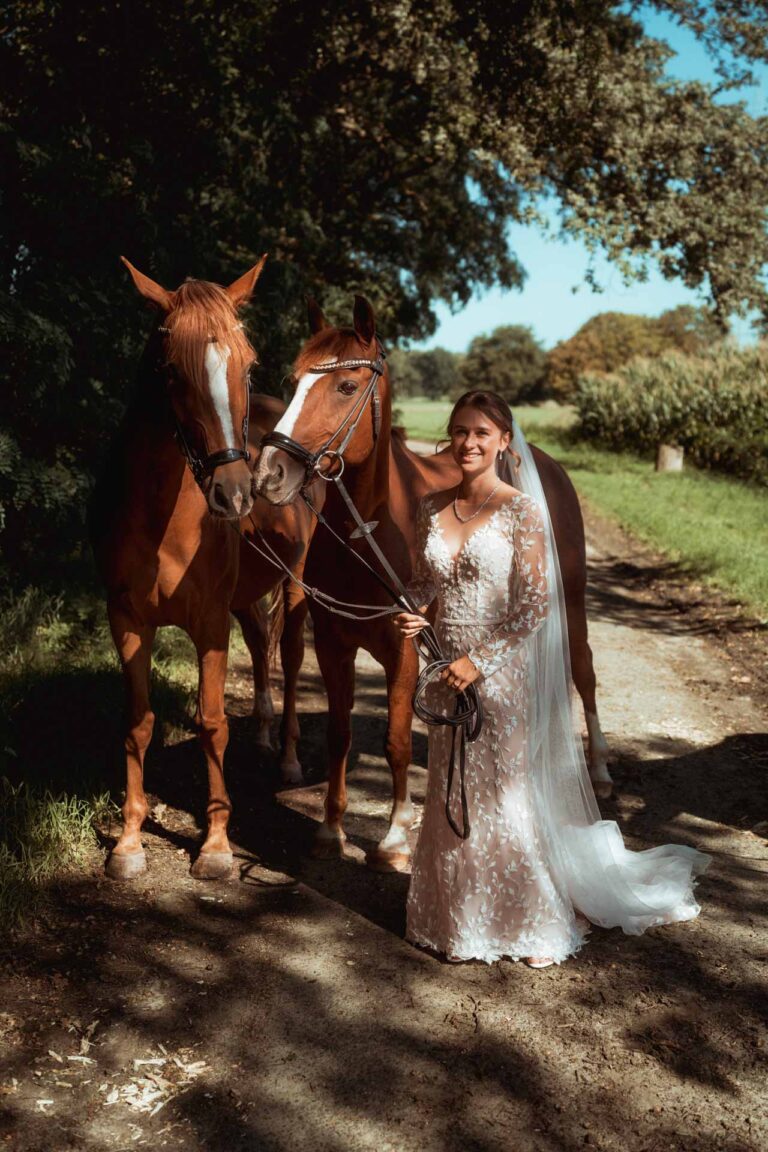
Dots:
pixel 460 674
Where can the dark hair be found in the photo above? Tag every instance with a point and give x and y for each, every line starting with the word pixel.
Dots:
pixel 489 403
pixel 497 410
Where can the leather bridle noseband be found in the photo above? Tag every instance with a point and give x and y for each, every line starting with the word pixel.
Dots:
pixel 202 467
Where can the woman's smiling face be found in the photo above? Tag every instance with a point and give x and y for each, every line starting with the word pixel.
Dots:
pixel 475 440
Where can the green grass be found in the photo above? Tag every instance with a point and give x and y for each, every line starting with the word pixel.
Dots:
pixel 61 741
pixel 715 527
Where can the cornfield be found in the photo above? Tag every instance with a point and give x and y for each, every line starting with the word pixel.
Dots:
pixel 714 407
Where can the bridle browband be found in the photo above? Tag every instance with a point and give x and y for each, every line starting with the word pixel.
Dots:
pixel 467 718
pixel 202 467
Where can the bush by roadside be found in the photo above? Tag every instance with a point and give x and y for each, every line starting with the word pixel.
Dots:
pixel 716 407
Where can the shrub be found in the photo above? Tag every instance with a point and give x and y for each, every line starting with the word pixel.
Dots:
pixel 715 407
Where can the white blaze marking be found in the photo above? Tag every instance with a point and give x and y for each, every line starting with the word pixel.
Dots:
pixel 287 421
pixel 216 356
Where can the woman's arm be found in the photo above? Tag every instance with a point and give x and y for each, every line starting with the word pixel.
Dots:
pixel 421 588
pixel 528 592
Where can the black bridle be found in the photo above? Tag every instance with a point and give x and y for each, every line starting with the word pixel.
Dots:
pixel 202 467
pixel 467 716
pixel 311 460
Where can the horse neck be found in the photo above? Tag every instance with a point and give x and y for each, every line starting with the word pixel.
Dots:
pixel 368 483
pixel 153 454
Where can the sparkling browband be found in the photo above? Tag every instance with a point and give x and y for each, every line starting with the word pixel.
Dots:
pixel 335 365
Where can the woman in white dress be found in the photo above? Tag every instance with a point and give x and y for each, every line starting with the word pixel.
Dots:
pixel 539 864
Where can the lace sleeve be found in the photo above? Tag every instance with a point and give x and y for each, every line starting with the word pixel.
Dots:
pixel 528 591
pixel 422 588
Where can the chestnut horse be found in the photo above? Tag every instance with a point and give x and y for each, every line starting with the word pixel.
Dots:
pixel 385 481
pixel 162 530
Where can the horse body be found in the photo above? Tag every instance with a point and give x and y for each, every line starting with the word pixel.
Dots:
pixel 161 538
pixel 385 481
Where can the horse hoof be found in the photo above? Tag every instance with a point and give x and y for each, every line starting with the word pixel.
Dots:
pixel 125 865
pixel 291 773
pixel 328 848
pixel 212 866
pixel 603 789
pixel 381 861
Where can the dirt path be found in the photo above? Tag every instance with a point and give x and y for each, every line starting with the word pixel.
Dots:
pixel 283 1011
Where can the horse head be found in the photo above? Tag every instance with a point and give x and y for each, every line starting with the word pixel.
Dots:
pixel 333 420
pixel 201 355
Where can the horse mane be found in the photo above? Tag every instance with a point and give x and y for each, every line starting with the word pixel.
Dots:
pixel 328 344
pixel 203 312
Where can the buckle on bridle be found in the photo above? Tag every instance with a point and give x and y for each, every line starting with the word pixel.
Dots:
pixel 331 453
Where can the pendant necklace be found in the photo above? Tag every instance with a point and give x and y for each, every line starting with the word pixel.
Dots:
pixel 466 519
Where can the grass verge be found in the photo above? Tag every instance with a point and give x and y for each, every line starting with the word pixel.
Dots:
pixel 715 527
pixel 61 757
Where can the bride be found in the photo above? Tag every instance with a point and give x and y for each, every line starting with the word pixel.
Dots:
pixel 539 864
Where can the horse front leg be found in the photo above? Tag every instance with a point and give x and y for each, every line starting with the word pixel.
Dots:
pixel 338 671
pixel 134 646
pixel 392 854
pixel 292 658
pixel 583 673
pixel 215 859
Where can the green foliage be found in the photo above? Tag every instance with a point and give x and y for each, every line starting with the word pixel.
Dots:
pixel 382 148
pixel 430 374
pixel 510 361
pixel 715 407
pixel 611 339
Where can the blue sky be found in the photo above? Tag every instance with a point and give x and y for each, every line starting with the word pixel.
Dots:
pixel 555 299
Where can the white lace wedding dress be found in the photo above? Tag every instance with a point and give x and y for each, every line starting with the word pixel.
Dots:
pixel 503 892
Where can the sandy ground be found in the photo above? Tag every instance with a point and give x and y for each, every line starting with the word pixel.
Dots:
pixel 284 1011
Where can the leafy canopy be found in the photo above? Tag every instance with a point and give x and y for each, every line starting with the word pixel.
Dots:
pixel 381 146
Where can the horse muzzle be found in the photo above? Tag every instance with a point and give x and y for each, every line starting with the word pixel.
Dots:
pixel 279 478
pixel 230 492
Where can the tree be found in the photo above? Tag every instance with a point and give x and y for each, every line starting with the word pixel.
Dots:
pixel 432 374
pixel 510 361
pixel 611 339
pixel 694 331
pixel 373 146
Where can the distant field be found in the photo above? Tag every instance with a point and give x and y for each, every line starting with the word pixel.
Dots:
pixel 427 419
pixel 713 525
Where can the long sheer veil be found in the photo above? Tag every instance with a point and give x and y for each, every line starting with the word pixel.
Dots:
pixel 610 885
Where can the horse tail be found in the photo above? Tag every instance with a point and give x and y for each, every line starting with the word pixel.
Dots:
pixel 276 621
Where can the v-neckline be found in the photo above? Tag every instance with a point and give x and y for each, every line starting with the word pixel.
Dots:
pixel 453 558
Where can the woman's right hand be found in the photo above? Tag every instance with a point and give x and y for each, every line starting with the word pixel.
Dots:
pixel 409 623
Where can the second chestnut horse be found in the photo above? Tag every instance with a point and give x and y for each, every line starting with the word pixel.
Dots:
pixel 385 481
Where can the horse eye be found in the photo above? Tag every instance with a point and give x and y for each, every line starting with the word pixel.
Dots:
pixel 347 387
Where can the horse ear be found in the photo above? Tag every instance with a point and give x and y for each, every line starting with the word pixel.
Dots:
pixel 240 291
pixel 365 321
pixel 149 289
pixel 317 320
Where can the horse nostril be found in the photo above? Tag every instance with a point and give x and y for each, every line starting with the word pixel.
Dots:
pixel 219 497
pixel 279 473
